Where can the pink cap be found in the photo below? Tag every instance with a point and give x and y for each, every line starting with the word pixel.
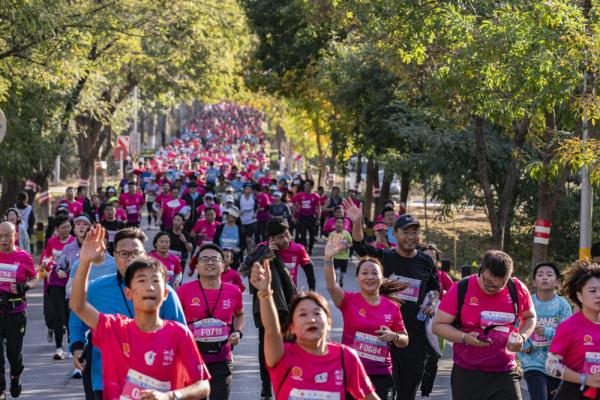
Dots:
pixel 380 226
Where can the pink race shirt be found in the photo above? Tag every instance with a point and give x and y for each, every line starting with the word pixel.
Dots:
pixel 170 209
pixel 120 214
pixel 264 201
pixel 49 256
pixel 577 339
pixel 308 203
pixel 479 311
pixel 202 207
pixel 292 257
pixel 172 263
pixel 205 231
pixel 133 206
pixel 133 360
pixel 233 277
pixel 329 225
pixel 15 267
pixel 302 375
pixel 361 320
pixel 74 208
pixel 207 325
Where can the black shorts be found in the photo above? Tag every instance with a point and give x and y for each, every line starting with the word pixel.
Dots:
pixel 480 385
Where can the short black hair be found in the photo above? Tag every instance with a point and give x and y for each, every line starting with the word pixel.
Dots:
pixel 210 246
pixel 22 197
pixel 141 263
pixel 546 264
pixel 340 218
pixel 61 219
pixel 277 226
pixel 179 215
pixel 130 233
pixel 497 262
pixel 595 250
pixel 158 236
pixel 386 209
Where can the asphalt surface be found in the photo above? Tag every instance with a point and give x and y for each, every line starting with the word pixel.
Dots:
pixel 45 378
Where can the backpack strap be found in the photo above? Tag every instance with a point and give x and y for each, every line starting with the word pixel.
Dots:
pixel 344 369
pixel 512 289
pixel 463 285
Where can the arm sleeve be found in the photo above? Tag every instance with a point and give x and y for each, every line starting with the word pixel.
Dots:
pixel 190 359
pixel 364 249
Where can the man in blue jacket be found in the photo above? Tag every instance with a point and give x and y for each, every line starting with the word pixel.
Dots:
pixel 107 296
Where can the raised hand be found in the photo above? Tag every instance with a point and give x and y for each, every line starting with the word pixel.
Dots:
pixel 261 276
pixel 352 212
pixel 333 247
pixel 93 246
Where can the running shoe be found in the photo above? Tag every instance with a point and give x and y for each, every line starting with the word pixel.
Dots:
pixel 59 354
pixel 50 336
pixel 2 396
pixel 15 387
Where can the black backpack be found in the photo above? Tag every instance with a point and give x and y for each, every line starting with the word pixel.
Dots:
pixel 463 285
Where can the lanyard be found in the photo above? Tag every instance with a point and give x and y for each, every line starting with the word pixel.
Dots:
pixel 119 280
pixel 208 311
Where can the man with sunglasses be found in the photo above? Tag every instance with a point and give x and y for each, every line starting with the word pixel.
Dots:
pixel 406 264
pixel 488 316
pixel 107 295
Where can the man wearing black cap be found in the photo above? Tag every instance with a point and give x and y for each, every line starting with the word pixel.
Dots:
pixel 282 286
pixel 407 264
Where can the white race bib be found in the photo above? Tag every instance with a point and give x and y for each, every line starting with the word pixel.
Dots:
pixel 136 382
pixel 301 394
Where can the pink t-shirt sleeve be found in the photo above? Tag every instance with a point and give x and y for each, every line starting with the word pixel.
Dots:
pixel 106 323
pixel 303 256
pixel 189 358
pixel 398 322
pixel 449 302
pixel 346 301
pixel 358 383
pixel 176 266
pixel 560 341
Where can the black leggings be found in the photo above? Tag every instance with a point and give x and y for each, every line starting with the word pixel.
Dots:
pixel 307 224
pixel 221 379
pixel 151 212
pixel 12 329
pixel 59 309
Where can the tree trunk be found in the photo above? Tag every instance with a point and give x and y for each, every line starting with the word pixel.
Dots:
pixel 550 189
pixel 498 216
pixel 371 177
pixel 10 189
pixel 405 181
pixel 358 170
pixel 384 195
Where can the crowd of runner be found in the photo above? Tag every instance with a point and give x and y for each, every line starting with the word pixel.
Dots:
pixel 138 327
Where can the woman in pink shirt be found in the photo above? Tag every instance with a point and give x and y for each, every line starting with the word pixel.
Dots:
pixel 574 354
pixel 162 243
pixel 146 357
pixel 372 318
pixel 307 365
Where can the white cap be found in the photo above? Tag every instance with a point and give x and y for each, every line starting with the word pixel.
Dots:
pixel 229 199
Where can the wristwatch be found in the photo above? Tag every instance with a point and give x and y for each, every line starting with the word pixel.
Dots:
pixel 240 333
pixel 177 395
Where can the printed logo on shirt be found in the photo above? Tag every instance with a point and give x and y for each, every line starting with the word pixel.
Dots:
pixel 339 377
pixel 195 301
pixel 168 357
pixel 588 341
pixel 126 349
pixel 321 378
pixel 226 304
pixel 473 301
pixel 387 317
pixel 296 373
pixel 362 312
pixel 149 358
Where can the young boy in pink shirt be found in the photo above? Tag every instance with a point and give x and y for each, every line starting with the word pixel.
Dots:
pixel 145 357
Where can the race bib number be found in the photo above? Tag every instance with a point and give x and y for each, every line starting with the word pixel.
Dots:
pixel 131 210
pixel 136 382
pixel 370 347
pixel 302 394
pixel 210 330
pixel 290 266
pixel 229 243
pixel 499 319
pixel 591 364
pixel 111 236
pixel 8 275
pixel 411 293
pixel 306 204
pixel 173 203
pixel 539 340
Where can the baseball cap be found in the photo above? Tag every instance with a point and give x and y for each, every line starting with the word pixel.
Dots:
pixel 84 218
pixel 209 196
pixel 229 199
pixel 233 210
pixel 277 194
pixel 380 226
pixel 405 221
pixel 229 189
pixel 113 199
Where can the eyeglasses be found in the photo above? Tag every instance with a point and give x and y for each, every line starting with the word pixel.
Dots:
pixel 409 233
pixel 489 285
pixel 128 254
pixel 6 235
pixel 212 260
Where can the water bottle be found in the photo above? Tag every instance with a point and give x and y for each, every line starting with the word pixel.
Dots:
pixel 427 302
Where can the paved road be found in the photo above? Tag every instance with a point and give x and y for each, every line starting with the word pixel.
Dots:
pixel 45 378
